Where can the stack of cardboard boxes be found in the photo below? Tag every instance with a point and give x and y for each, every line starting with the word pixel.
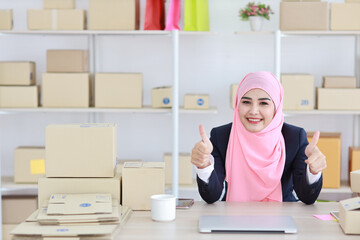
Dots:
pixel 6 19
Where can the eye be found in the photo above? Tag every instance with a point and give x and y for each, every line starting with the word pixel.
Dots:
pixel 264 103
pixel 245 102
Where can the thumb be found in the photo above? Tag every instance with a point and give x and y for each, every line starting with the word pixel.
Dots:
pixel 313 143
pixel 203 135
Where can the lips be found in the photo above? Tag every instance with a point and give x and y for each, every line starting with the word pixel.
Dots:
pixel 254 120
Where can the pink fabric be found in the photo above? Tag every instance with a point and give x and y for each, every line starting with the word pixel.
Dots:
pixel 255 161
pixel 173 16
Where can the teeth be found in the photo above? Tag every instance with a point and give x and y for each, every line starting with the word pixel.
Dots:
pixel 254 120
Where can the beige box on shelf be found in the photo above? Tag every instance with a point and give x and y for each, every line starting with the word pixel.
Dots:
pixel 298 91
pixel 6 229
pixel 350 215
pixel 6 19
pixel 355 181
pixel 304 16
pixel 29 164
pixel 63 19
pixel 65 90
pixel 81 150
pixel 114 15
pixel 339 82
pixel 185 168
pixel 140 181
pixel 354 158
pixel 67 61
pixel 345 16
pixel 48 186
pixel 58 4
pixel 161 97
pixel 330 145
pixel 19 97
pixel 196 101
pixel 17 73
pixel 15 209
pixel 338 98
pixel 233 89
pixel 118 90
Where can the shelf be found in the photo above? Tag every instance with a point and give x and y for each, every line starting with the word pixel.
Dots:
pixel 320 33
pixel 255 33
pixel 8 187
pixel 321 112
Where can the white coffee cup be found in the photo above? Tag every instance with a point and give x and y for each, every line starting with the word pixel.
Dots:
pixel 163 207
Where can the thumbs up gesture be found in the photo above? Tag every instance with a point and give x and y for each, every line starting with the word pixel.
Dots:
pixel 201 152
pixel 316 159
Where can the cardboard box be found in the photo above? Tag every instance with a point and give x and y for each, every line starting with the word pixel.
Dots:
pixel 6 19
pixel 17 73
pixel 330 145
pixel 15 209
pixel 345 16
pixel 65 90
pixel 6 229
pixel 118 90
pixel 233 89
pixel 140 181
pixel 67 61
pixel 339 82
pixel 49 186
pixel 161 97
pixel 352 1
pixel 350 215
pixel 185 168
pixel 196 101
pixel 354 158
pixel 355 181
pixel 29 164
pixel 338 98
pixel 58 4
pixel 19 97
pixel 114 14
pixel 81 150
pixel 298 91
pixel 304 16
pixel 68 19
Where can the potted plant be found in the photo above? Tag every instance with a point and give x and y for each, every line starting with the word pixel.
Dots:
pixel 256 14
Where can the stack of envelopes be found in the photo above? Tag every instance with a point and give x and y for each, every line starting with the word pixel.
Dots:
pixel 74 215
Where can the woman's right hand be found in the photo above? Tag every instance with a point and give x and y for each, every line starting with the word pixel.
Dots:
pixel 200 155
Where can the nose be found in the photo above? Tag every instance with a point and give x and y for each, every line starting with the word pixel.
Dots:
pixel 254 109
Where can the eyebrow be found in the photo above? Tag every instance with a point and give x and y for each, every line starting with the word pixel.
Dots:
pixel 261 99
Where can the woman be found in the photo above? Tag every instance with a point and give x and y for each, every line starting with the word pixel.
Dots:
pixel 260 157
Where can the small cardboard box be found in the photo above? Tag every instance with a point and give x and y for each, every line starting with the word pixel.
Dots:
pixel 345 16
pixel 161 97
pixel 67 61
pixel 118 90
pixel 339 82
pixel 6 229
pixel 185 168
pixel 6 19
pixel 355 181
pixel 330 145
pixel 58 4
pixel 338 98
pixel 114 14
pixel 81 150
pixel 233 89
pixel 196 101
pixel 29 164
pixel 17 73
pixel 15 209
pixel 354 158
pixel 50 19
pixel 19 97
pixel 298 91
pixel 49 186
pixel 350 215
pixel 70 90
pixel 304 16
pixel 140 181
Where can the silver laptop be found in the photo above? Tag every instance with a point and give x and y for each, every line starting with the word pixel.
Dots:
pixel 246 224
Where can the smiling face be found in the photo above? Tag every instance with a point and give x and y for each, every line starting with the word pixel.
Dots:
pixel 256 110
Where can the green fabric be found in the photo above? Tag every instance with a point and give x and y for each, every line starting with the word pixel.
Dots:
pixel 196 15
pixel 190 15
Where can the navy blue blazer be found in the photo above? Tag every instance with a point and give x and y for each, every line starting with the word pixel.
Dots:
pixel 294 175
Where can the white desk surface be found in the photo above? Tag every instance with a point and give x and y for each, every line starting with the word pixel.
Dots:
pixel 141 226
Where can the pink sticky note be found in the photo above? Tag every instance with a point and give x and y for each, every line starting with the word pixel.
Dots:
pixel 327 217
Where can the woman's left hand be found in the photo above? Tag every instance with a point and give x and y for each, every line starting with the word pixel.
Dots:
pixel 316 159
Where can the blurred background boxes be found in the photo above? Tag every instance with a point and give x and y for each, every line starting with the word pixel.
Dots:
pixel 355 181
pixel 67 61
pixel 65 90
pixel 338 98
pixel 29 164
pixel 330 145
pixel 233 89
pixel 58 4
pixel 339 82
pixel 81 150
pixel 118 90
pixel 196 101
pixel 6 19
pixel 114 15
pixel 185 168
pixel 161 97
pixel 354 158
pixel 19 96
pixel 345 16
pixel 15 209
pixel 298 91
pixel 6 229
pixel 17 73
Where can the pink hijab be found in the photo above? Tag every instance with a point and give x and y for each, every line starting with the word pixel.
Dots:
pixel 255 160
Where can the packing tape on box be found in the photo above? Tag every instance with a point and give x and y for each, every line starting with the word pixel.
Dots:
pixel 54 19
pixel 37 166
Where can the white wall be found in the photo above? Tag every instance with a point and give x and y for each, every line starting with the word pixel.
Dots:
pixel 209 63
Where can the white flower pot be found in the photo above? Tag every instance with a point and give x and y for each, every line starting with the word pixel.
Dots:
pixel 256 23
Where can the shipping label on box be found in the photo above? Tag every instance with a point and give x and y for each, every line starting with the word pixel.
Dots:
pixel 298 91
pixel 339 82
pixel 355 181
pixel 338 98
pixel 29 164
pixel 19 97
pixel 196 101
pixel 350 215
pixel 58 4
pixel 330 145
pixel 161 97
pixel 345 16
pixel 67 61
pixel 6 19
pixel 118 90
pixel 17 73
pixel 15 209
pixel 185 168
pixel 233 89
